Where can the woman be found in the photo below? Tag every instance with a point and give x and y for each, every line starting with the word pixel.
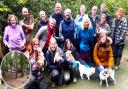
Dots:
pixel 103 54
pixel 119 29
pixel 36 58
pixel 14 37
pixel 54 57
pixel 72 56
pixel 103 26
pixel 85 39
pixel 79 18
pixel 37 61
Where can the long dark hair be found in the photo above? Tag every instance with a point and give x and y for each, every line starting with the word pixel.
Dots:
pixel 65 44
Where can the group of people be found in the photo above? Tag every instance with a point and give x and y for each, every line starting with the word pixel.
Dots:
pixel 93 39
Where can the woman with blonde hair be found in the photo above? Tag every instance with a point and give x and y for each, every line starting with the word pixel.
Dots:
pixel 54 58
pixel 85 41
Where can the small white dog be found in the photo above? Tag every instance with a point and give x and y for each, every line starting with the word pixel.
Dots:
pixel 105 74
pixel 88 71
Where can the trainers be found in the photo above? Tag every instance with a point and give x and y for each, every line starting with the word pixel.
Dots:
pixel 53 85
pixel 74 80
pixel 116 67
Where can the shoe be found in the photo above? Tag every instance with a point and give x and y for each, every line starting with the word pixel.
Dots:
pixel 53 85
pixel 116 67
pixel 74 80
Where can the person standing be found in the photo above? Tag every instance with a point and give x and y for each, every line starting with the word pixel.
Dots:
pixel 103 9
pixel 58 15
pixel 43 20
pixel 85 39
pixel 119 29
pixel 45 33
pixel 67 26
pixel 27 24
pixel 14 37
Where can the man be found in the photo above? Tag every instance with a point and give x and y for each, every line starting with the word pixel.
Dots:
pixel 58 16
pixel 45 33
pixel 27 24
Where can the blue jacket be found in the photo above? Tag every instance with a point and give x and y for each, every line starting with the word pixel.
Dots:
pixel 50 60
pixel 85 38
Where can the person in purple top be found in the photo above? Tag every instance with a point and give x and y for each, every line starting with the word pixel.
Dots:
pixel 14 37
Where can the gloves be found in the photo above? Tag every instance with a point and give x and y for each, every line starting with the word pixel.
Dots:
pixel 100 68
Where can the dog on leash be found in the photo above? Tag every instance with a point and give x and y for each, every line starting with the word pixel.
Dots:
pixel 105 74
pixel 88 71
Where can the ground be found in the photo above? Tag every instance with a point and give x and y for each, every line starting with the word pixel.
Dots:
pixel 121 76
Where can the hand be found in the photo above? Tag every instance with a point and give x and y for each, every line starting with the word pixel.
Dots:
pixel 22 46
pixel 21 23
pixel 101 67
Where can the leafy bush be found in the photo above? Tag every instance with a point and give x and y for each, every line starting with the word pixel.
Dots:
pixel 34 6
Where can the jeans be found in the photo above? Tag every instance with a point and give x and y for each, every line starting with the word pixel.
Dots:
pixel 117 52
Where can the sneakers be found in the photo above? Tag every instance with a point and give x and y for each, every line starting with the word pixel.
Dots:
pixel 74 80
pixel 115 67
pixel 53 85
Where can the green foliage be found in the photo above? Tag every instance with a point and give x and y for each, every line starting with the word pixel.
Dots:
pixel 34 6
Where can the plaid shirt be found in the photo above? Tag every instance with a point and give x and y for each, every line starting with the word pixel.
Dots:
pixel 119 28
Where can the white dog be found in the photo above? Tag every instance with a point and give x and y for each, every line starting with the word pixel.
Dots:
pixel 88 71
pixel 105 74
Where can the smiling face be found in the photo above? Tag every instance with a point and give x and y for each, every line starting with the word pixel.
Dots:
pixel 58 8
pixel 68 45
pixel 12 21
pixel 103 18
pixel 52 23
pixel 103 39
pixel 120 13
pixel 67 13
pixel 35 43
pixel 82 9
pixel 86 23
pixel 25 12
pixel 42 15
pixel 53 46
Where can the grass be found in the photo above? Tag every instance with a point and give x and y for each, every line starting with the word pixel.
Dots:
pixel 121 76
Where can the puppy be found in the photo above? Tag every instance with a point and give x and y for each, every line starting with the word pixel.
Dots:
pixel 105 74
pixel 88 71
pixel 69 56
pixel 58 57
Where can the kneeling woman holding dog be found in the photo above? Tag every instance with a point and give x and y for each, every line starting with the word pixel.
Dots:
pixel 55 59
pixel 103 54
pixel 37 60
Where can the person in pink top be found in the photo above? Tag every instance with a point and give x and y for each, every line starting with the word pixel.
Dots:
pixel 14 37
